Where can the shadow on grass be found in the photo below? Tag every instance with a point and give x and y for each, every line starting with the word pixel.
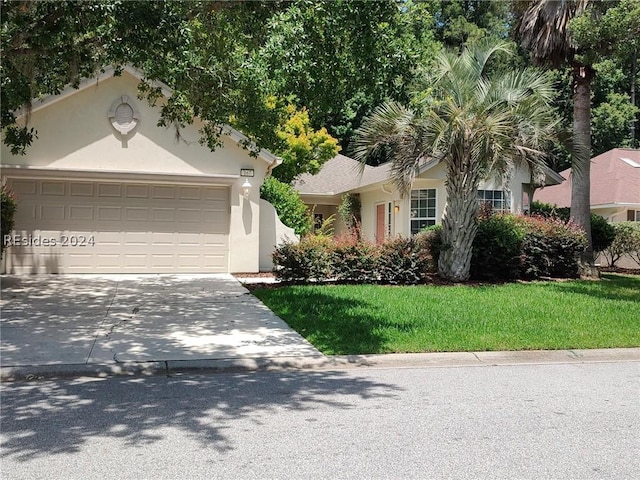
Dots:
pixel 611 287
pixel 334 325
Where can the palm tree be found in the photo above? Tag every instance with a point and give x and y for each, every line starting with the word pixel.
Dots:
pixel 543 28
pixel 478 125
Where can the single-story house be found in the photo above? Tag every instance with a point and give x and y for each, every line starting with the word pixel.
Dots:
pixel 615 186
pixel 384 213
pixel 103 189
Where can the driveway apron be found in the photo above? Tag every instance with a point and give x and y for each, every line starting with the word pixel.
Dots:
pixel 64 319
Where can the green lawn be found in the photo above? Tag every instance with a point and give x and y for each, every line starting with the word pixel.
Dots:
pixel 351 319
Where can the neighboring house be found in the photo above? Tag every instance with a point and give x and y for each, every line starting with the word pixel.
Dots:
pixel 103 189
pixel 615 186
pixel 384 213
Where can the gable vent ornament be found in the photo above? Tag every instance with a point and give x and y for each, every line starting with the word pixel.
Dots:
pixel 123 115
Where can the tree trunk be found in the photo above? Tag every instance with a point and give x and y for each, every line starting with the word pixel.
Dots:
pixel 459 225
pixel 581 160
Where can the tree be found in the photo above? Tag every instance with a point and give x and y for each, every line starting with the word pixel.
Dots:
pixel 199 49
pixel 477 124
pixel 543 27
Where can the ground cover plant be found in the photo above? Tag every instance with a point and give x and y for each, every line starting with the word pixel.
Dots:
pixel 359 319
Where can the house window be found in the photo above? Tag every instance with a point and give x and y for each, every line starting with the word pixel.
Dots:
pixel 633 215
pixel 499 200
pixel 423 209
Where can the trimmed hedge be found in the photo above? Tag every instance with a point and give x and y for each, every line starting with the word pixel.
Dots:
pixel 506 247
pixel 602 232
pixel 399 261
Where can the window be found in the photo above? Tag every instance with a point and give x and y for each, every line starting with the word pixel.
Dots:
pixel 633 215
pixel 423 209
pixel 498 200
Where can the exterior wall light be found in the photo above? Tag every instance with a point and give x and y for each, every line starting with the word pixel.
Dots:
pixel 396 209
pixel 246 188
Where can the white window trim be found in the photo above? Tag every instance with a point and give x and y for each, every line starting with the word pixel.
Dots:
pixel 412 218
pixel 507 200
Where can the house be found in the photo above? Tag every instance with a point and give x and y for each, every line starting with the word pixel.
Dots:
pixel 384 213
pixel 615 186
pixel 103 189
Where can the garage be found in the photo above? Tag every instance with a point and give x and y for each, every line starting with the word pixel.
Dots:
pixel 106 226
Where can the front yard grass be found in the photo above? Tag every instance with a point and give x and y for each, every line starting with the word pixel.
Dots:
pixel 353 319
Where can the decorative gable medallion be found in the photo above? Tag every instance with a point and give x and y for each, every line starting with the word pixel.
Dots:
pixel 123 115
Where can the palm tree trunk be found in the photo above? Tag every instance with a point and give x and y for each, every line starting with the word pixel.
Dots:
pixel 581 176
pixel 459 225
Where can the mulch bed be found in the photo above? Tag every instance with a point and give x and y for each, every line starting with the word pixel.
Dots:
pixel 432 279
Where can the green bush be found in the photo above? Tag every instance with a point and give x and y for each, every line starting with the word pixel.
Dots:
pixel 431 238
pixel 8 207
pixel 307 260
pixel 602 233
pixel 497 248
pixel 286 200
pixel 354 261
pixel 403 261
pixel 626 242
pixel 551 247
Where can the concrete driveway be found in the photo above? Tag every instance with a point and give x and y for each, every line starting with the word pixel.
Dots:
pixel 74 320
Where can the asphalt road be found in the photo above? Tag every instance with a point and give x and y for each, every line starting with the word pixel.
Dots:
pixel 562 421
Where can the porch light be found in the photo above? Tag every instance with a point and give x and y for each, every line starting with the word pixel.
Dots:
pixel 396 209
pixel 246 188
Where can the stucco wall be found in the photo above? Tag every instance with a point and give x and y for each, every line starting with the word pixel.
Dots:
pixel 433 178
pixel 272 233
pixel 76 134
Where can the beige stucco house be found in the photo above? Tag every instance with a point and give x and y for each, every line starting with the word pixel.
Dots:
pixel 103 189
pixel 384 213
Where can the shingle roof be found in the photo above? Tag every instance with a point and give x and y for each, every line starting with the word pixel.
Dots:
pixel 339 175
pixel 615 178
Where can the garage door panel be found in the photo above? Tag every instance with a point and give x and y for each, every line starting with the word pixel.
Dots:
pixel 81 213
pixel 136 191
pixel 132 227
pixel 109 190
pixel 53 188
pixel 81 189
pixel 52 212
pixel 113 214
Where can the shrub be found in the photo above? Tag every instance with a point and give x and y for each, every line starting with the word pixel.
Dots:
pixel 286 200
pixel 602 233
pixel 431 239
pixel 626 242
pixel 551 247
pixel 309 259
pixel 8 207
pixel 354 260
pixel 497 248
pixel 403 261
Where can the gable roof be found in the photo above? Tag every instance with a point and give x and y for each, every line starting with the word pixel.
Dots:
pixel 615 180
pixel 342 174
pixel 238 137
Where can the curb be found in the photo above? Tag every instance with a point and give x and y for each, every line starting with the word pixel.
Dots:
pixel 319 363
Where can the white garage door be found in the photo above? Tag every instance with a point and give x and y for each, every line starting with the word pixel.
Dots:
pixel 69 226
